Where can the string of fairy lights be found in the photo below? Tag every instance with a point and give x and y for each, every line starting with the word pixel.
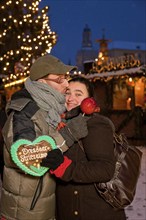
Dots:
pixel 25 34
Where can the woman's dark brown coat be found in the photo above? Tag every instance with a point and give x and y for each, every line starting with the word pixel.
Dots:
pixel 77 198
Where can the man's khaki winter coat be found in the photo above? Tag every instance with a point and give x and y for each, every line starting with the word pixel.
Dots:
pixel 25 197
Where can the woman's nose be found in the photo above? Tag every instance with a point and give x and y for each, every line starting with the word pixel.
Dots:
pixel 70 97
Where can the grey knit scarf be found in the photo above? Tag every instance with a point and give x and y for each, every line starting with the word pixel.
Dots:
pixel 47 99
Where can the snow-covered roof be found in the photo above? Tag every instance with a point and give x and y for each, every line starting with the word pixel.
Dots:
pixel 115 73
pixel 127 45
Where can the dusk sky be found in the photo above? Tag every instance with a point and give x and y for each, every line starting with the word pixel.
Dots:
pixel 123 20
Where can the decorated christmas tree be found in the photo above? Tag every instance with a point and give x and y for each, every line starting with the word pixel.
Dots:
pixel 25 34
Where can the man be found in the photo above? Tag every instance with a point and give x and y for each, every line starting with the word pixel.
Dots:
pixel 33 112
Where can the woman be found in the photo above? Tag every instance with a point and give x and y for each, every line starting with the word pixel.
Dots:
pixel 76 195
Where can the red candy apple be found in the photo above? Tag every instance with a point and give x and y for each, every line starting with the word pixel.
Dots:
pixel 89 106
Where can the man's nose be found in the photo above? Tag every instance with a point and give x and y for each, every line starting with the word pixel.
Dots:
pixel 66 84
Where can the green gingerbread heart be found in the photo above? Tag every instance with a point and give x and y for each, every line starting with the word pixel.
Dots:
pixel 28 155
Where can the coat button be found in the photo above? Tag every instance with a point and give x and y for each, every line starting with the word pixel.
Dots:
pixel 75 192
pixel 76 212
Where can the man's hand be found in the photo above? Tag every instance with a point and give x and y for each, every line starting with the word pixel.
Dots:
pixel 53 159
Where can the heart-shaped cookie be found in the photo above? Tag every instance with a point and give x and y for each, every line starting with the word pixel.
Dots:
pixel 28 155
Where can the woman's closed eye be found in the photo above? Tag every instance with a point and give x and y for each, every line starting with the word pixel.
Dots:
pixel 78 94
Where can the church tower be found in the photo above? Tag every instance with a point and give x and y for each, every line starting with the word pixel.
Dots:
pixel 86 38
pixel 86 53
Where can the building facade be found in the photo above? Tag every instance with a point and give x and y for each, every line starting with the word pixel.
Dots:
pixel 110 49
